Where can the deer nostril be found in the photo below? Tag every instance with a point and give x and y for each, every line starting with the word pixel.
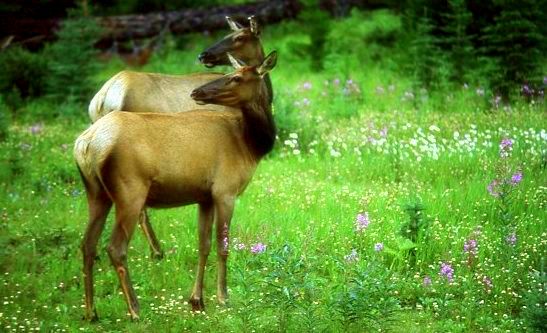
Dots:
pixel 196 93
pixel 203 55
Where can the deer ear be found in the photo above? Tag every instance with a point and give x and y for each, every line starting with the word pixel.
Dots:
pixel 268 64
pixel 253 25
pixel 235 62
pixel 233 24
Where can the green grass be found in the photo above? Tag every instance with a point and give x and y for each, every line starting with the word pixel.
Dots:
pixel 366 146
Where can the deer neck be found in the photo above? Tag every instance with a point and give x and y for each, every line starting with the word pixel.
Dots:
pixel 259 126
pixel 257 61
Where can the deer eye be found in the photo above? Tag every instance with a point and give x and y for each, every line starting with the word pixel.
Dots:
pixel 239 39
pixel 236 79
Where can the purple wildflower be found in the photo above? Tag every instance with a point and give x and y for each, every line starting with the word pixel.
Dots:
pixel 36 128
pixel 506 144
pixel 336 81
pixel 307 85
pixel 379 247
pixel 527 91
pixel 516 178
pixel 361 222
pixel 511 239
pixel 258 248
pixel 487 283
pixel 496 101
pixel 383 132
pixel 492 188
pixel 427 281
pixel 306 101
pixel 352 257
pixel 470 246
pixel 447 271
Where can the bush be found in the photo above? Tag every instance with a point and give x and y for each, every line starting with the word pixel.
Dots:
pixel 22 75
pixel 4 119
pixel 72 58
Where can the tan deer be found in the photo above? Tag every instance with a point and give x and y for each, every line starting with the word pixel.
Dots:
pixel 137 160
pixel 151 92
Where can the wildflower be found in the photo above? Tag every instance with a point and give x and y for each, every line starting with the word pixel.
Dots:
pixel 527 91
pixel 306 101
pixel 240 246
pixel 336 81
pixel 511 239
pixel 427 281
pixel 505 147
pixel 465 86
pixel 352 257
pixel 258 248
pixel 383 132
pixel 307 85
pixel 447 271
pixel 361 221
pixel 506 143
pixel 379 90
pixel 378 247
pixel 391 87
pixel 516 178
pixel 496 101
pixel 487 283
pixel 408 95
pixel 470 246
pixel 480 91
pixel 36 128
pixel 492 188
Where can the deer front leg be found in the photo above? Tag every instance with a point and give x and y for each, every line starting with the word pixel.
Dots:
pixel 205 224
pixel 146 227
pixel 224 209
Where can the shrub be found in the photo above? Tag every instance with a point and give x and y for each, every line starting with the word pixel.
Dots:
pixel 22 75
pixel 72 58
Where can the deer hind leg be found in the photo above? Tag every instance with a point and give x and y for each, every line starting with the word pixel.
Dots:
pixel 205 224
pixel 224 209
pixel 99 207
pixel 146 227
pixel 127 214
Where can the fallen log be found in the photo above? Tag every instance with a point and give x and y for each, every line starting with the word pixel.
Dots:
pixel 130 27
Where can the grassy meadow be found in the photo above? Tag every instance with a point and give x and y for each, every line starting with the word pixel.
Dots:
pixel 383 207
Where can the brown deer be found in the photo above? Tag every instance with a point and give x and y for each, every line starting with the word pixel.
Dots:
pixel 151 92
pixel 204 156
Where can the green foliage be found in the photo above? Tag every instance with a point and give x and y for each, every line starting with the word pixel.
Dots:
pixel 5 119
pixel 72 58
pixel 517 42
pixel 535 311
pixel 316 25
pixel 459 41
pixel 22 75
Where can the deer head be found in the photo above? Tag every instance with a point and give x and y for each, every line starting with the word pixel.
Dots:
pixel 243 43
pixel 237 88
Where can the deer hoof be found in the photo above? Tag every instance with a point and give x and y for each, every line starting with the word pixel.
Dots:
pixel 197 304
pixel 157 255
pixel 91 316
